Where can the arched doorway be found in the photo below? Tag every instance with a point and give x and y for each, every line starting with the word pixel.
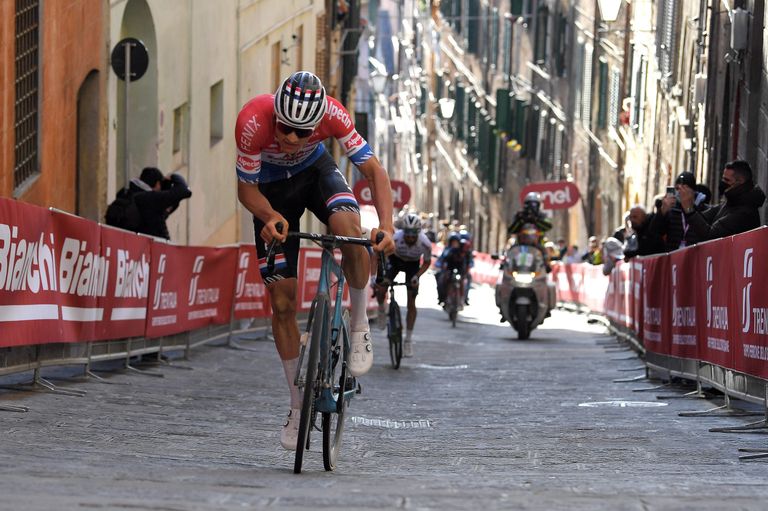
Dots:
pixel 87 200
pixel 143 102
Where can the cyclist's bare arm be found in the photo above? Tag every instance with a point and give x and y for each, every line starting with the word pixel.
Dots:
pixel 254 201
pixel 378 181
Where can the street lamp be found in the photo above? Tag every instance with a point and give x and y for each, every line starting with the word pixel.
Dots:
pixel 447 106
pixel 379 82
pixel 609 9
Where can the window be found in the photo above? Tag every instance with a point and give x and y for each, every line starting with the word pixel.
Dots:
pixel 542 30
pixel 180 135
pixel 578 65
pixel 667 40
pixel 614 99
pixel 217 111
pixel 637 112
pixel 26 88
pixel 602 95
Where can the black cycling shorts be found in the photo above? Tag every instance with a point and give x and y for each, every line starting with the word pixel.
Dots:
pixel 395 265
pixel 321 189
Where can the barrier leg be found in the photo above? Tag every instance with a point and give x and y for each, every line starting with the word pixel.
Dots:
pixel 128 367
pixel 40 384
pixel 760 426
pixel 721 411
pixel 11 408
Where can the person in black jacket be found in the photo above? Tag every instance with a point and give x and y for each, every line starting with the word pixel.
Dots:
pixel 156 197
pixel 739 212
pixel 669 223
pixel 643 240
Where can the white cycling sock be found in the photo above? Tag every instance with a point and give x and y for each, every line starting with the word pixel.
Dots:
pixel 290 366
pixel 408 335
pixel 358 317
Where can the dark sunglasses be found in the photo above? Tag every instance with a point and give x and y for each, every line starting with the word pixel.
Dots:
pixel 300 132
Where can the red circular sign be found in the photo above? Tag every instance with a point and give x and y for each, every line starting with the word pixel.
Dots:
pixel 401 193
pixel 554 194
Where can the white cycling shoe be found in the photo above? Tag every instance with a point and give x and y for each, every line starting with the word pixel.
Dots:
pixel 407 349
pixel 360 357
pixel 289 435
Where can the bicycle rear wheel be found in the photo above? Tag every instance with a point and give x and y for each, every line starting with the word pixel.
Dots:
pixel 395 334
pixel 318 329
pixel 333 423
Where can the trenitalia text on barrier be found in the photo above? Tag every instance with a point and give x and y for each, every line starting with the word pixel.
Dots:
pixel 703 303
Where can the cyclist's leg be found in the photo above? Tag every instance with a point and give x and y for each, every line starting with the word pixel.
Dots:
pixel 334 204
pixel 411 268
pixel 282 287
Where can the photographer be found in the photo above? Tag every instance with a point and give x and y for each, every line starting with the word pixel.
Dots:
pixel 156 197
pixel 670 222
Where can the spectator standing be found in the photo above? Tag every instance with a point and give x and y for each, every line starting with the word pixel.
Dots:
pixel 737 213
pixel 156 197
pixel 670 223
pixel 593 254
pixel 643 241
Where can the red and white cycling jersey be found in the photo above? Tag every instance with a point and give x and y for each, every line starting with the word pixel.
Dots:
pixel 259 159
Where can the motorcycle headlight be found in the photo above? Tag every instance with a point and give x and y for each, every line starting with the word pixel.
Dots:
pixel 523 278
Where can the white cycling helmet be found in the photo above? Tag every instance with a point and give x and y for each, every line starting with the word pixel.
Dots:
pixel 300 101
pixel 412 222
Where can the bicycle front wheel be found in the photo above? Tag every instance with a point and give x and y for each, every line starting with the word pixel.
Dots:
pixel 318 330
pixel 333 423
pixel 395 334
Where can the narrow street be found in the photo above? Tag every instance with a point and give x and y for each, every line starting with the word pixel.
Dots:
pixel 475 420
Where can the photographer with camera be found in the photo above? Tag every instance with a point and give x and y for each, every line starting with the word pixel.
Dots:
pixel 156 197
pixel 670 223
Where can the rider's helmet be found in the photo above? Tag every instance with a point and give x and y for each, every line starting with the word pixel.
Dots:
pixel 411 222
pixel 532 201
pixel 454 236
pixel 300 101
pixel 528 235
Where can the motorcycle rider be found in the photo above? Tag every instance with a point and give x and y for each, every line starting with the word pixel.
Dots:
pixel 531 214
pixel 454 256
pixel 411 246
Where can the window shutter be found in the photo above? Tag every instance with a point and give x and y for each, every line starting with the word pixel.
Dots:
pixel 586 95
pixel 614 101
pixel 602 105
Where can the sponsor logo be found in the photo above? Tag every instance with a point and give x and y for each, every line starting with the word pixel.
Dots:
pixel 681 316
pixel 132 276
pixel 337 112
pixel 161 300
pixel 249 130
pixel 554 194
pixel 745 291
pixel 243 288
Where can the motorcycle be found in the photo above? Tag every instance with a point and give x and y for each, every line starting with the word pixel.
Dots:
pixel 524 295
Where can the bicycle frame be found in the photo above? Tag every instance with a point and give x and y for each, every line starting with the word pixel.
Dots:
pixel 328 268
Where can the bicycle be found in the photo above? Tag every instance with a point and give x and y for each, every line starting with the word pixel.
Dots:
pixel 394 325
pixel 327 388
pixel 454 296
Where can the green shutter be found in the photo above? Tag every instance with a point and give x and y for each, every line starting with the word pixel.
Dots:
pixel 471 126
pixel 482 148
pixel 602 102
pixel 473 27
pixel 493 161
pixel 516 7
pixel 460 111
pixel 503 110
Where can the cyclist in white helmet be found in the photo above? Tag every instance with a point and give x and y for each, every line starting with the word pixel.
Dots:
pixel 413 255
pixel 283 168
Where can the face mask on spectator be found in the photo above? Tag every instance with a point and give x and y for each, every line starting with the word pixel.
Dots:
pixel 722 187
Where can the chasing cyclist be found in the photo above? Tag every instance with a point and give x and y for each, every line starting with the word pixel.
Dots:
pixel 413 255
pixel 283 168
pixel 454 256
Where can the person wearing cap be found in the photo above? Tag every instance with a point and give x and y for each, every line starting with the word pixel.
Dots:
pixel 670 223
pixel 739 210
pixel 158 196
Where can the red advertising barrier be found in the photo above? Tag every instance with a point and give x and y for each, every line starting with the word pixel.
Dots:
pixel 128 258
pixel 656 315
pixel 29 277
pixel 683 280
pixel 251 297
pixel 191 287
pixel 716 311
pixel 750 251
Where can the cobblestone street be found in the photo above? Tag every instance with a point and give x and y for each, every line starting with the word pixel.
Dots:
pixel 476 420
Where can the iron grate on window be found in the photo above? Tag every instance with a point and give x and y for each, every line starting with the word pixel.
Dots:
pixel 26 106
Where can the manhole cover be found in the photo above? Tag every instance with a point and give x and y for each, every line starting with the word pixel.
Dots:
pixel 392 424
pixel 623 404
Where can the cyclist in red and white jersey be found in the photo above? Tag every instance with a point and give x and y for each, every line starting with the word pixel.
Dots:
pixel 413 256
pixel 283 168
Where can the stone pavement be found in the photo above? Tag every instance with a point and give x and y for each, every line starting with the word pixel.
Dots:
pixel 476 420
